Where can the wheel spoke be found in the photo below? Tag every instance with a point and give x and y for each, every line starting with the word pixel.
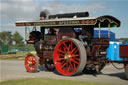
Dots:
pixel 75 55
pixel 63 62
pixel 69 48
pixel 71 65
pixel 33 67
pixel 60 54
pixel 73 50
pixel 33 62
pixel 74 66
pixel 63 65
pixel 68 68
pixel 75 61
pixel 64 49
pixel 32 59
pixel 60 51
pixel 29 59
pixel 65 45
pixel 59 59
pixel 71 45
pixel 30 65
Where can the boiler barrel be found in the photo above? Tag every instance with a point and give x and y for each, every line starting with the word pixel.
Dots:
pixel 70 15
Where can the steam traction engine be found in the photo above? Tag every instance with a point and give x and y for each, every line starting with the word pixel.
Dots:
pixel 65 42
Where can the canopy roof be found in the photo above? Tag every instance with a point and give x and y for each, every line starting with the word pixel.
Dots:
pixel 74 22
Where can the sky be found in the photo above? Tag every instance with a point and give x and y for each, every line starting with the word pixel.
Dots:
pixel 16 10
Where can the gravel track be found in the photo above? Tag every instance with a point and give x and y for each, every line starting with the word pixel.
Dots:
pixel 12 69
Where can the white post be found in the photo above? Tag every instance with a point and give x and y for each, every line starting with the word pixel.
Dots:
pixel 25 33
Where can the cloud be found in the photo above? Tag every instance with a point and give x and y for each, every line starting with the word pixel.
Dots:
pixel 13 10
pixel 18 9
pixel 7 25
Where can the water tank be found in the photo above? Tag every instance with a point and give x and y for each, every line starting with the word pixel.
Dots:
pixel 113 51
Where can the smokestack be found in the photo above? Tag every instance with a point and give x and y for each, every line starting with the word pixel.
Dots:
pixel 44 14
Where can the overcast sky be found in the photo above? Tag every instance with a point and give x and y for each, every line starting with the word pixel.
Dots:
pixel 16 10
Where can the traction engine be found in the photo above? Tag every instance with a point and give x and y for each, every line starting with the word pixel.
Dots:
pixel 65 42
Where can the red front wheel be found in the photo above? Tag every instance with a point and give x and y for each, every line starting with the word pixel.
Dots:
pixel 69 57
pixel 31 62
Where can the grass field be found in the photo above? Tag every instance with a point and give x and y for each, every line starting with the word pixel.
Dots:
pixel 46 81
pixel 20 55
pixel 12 57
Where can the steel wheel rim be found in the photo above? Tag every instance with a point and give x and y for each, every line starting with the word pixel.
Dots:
pixel 31 63
pixel 67 57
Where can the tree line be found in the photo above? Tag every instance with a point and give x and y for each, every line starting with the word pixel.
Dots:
pixel 122 39
pixel 11 39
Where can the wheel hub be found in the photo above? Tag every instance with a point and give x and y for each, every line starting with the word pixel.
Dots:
pixel 29 62
pixel 67 56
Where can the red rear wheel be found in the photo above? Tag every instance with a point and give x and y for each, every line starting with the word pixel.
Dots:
pixel 69 57
pixel 31 62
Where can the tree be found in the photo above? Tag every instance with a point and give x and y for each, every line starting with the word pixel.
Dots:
pixel 5 38
pixel 18 39
pixel 122 39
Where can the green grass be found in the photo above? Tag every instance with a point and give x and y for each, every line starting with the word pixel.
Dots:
pixel 20 55
pixel 46 81
pixel 23 52
pixel 11 59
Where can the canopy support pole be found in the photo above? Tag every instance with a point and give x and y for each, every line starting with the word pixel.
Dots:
pixel 26 33
pixel 99 29
pixel 109 30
